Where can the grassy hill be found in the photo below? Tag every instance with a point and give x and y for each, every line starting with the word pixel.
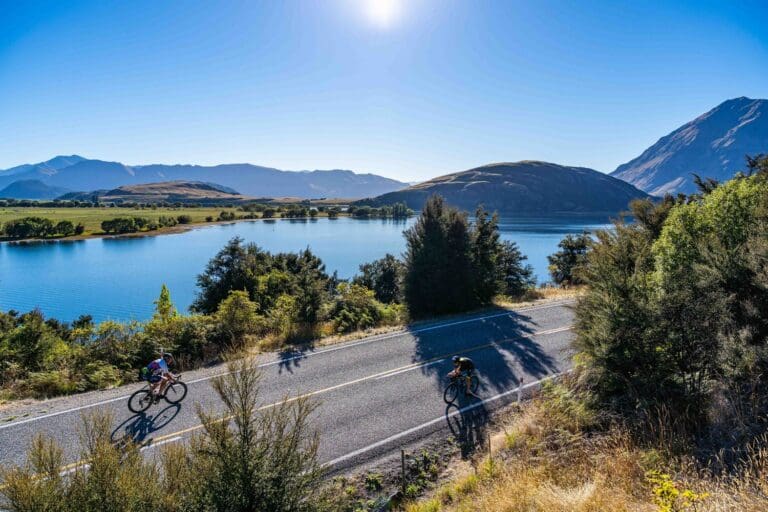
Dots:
pixel 527 187
pixel 168 191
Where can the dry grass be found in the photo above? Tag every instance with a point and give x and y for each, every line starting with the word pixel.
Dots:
pixel 537 295
pixel 545 460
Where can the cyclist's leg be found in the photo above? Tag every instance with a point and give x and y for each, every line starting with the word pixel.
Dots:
pixel 164 383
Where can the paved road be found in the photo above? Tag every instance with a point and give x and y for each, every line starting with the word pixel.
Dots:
pixel 375 394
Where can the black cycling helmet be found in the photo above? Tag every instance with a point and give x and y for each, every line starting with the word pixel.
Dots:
pixel 455 359
pixel 167 355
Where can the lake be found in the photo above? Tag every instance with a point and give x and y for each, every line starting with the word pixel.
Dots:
pixel 118 278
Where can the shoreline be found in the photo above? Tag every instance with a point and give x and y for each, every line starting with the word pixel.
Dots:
pixel 173 230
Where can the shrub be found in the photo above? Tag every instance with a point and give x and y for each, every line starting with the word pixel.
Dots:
pixel 237 319
pixel 252 458
pixel 355 308
pixel 51 383
pixel 184 219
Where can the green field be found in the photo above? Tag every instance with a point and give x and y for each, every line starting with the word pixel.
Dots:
pixel 92 217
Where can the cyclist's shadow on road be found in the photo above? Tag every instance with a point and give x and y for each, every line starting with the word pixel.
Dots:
pixel 140 426
pixel 467 421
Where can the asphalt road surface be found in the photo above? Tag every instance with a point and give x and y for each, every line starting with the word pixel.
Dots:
pixel 375 394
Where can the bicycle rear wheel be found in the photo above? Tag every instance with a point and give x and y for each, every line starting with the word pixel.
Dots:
pixel 175 392
pixel 451 393
pixel 140 401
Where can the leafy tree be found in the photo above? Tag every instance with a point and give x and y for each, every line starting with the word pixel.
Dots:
pixel 164 308
pixel 227 271
pixel 485 255
pixel 564 265
pixel 516 276
pixel 65 228
pixel 384 276
pixel 29 227
pixel 438 277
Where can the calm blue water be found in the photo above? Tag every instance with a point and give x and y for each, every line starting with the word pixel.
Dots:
pixel 119 278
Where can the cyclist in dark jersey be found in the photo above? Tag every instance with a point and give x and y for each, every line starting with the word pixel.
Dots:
pixel 463 367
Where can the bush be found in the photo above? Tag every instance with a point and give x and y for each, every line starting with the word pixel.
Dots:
pixel 355 308
pixel 671 321
pixel 237 319
pixel 98 375
pixel 184 219
pixel 251 458
pixel 51 383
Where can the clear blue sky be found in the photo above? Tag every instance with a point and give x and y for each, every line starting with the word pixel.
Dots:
pixel 406 88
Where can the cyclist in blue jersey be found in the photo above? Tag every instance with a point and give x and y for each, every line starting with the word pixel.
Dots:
pixel 159 374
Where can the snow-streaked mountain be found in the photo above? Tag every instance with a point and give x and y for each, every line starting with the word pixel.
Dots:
pixel 713 146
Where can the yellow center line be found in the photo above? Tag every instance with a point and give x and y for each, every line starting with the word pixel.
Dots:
pixel 411 366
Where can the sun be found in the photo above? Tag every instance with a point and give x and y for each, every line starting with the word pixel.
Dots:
pixel 383 13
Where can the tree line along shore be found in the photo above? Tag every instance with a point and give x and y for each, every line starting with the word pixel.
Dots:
pixel 33 220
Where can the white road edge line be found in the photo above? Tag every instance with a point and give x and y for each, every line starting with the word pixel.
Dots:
pixel 160 443
pixel 302 356
pixel 438 420
pixel 398 372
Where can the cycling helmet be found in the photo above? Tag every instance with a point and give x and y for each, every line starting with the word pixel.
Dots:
pixel 455 359
pixel 167 354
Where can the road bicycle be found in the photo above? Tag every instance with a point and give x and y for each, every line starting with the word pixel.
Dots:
pixel 458 386
pixel 142 399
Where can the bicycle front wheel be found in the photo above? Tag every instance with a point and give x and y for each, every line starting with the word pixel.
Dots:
pixel 140 401
pixel 451 393
pixel 176 392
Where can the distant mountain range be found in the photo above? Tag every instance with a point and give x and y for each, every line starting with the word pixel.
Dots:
pixel 527 187
pixel 31 189
pixel 713 146
pixel 75 173
pixel 167 191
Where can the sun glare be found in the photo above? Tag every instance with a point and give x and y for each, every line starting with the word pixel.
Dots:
pixel 383 13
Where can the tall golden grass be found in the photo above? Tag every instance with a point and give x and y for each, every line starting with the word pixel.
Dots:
pixel 552 457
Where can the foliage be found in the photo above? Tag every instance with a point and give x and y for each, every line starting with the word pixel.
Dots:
pixel 564 265
pixel 237 318
pixel 355 308
pixel 122 225
pixel 265 277
pixel 516 276
pixel 251 458
pixel 247 458
pixel 451 266
pixel 31 227
pixel 668 496
pixel 384 276
pixel 674 312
